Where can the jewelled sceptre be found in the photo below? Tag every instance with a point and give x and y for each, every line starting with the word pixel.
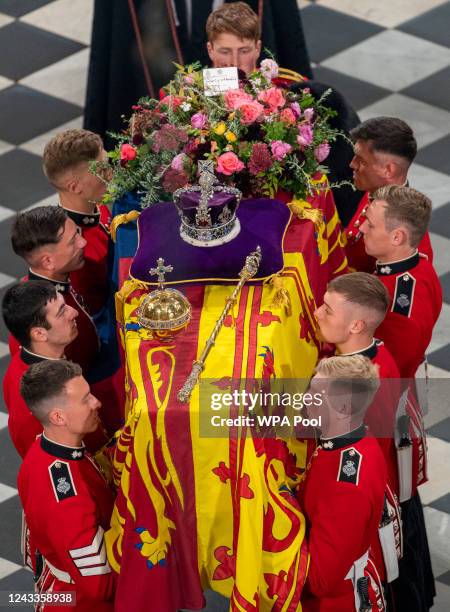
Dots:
pixel 249 270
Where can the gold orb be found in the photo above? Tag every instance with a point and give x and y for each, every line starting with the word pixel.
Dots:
pixel 165 312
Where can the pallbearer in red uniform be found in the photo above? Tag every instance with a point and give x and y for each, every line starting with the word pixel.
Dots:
pixel 53 248
pixel 385 147
pixel 354 306
pixel 37 315
pixel 66 499
pixel 66 164
pixel 343 491
pixel 396 222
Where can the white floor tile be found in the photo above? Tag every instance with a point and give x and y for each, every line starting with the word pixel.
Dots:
pixel 386 13
pixel 8 567
pixel 5 279
pixel 434 184
pixel 37 144
pixel 5 147
pixel 441 331
pixel 428 122
pixel 442 599
pixel 65 79
pixel 391 59
pixel 4 82
pixel 438 530
pixel 3 416
pixel 434 372
pixel 66 18
pixel 6 492
pixel 441 249
pixel 5 213
pixel 438 473
pixel 5 19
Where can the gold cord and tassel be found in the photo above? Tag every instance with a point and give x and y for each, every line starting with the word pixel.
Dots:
pixel 121 220
pixel 282 298
pixel 298 208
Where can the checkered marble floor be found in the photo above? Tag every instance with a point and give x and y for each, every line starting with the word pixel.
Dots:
pixel 389 57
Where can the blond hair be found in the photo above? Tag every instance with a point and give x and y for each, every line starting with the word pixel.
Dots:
pixel 353 375
pixel 405 207
pixel 68 149
pixel 236 18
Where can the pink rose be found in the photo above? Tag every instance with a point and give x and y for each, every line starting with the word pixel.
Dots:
pixel 250 111
pixel 178 162
pixel 296 109
pixel 269 69
pixel 229 163
pixel 235 97
pixel 198 121
pixel 305 136
pixel 173 101
pixel 280 149
pixel 127 153
pixel 287 116
pixel 308 114
pixel 322 151
pixel 273 97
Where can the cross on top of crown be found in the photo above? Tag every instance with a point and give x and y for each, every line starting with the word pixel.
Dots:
pixel 160 271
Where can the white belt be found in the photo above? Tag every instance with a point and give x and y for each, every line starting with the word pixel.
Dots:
pixel 59 574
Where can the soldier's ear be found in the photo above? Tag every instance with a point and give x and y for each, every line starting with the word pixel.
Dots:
pixel 38 334
pixel 400 236
pixel 56 417
pixel 357 326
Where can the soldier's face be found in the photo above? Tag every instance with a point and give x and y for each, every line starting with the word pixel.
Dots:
pixel 80 411
pixel 377 239
pixel 335 318
pixel 91 187
pixel 68 253
pixel 229 50
pixel 369 167
pixel 62 320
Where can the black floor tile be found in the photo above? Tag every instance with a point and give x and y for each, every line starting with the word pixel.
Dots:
pixel 10 463
pixel 440 358
pixel 328 32
pixel 22 183
pixel 10 263
pixel 445 284
pixel 440 430
pixel 442 503
pixel 434 90
pixel 17 8
pixel 27 113
pixel 436 155
pixel 440 218
pixel 433 25
pixel 35 49
pixel 3 330
pixel 11 513
pixel 445 578
pixel 358 93
pixel 22 580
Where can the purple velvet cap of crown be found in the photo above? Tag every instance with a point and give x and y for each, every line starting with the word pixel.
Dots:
pixel 263 223
pixel 189 201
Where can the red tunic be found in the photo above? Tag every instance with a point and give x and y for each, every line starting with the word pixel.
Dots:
pixel 342 497
pixel 83 350
pixel 23 426
pixel 416 301
pixel 356 254
pixel 68 506
pixel 91 281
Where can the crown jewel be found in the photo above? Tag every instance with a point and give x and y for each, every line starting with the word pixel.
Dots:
pixel 208 210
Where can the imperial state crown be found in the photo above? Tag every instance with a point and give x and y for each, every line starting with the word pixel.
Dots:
pixel 208 210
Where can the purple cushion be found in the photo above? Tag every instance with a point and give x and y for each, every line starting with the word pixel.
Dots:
pixel 263 223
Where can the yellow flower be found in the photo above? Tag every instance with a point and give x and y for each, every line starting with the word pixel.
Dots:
pixel 220 129
pixel 231 116
pixel 230 136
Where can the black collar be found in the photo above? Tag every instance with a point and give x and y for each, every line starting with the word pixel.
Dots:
pixel 397 267
pixel 348 439
pixel 83 219
pixel 370 352
pixel 30 358
pixel 61 286
pixel 72 453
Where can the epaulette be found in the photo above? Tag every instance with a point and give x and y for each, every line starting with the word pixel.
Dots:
pixel 349 466
pixel 61 479
pixel 403 294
